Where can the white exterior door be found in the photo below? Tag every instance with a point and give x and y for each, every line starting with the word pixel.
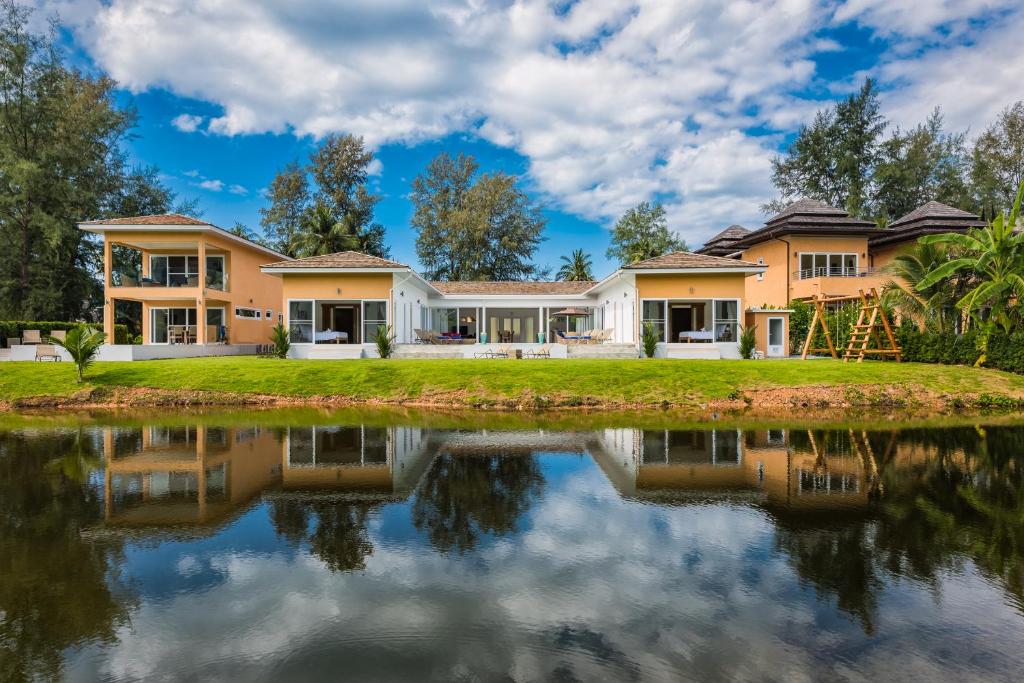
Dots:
pixel 776 343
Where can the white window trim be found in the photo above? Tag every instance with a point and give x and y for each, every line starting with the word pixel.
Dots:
pixel 312 322
pixel 168 256
pixel 363 321
pixel 152 321
pixel 800 258
pixel 714 320
pixel 257 311
pixel 223 270
pixel 640 330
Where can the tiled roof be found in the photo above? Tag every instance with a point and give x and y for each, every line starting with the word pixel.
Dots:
pixel 928 219
pixel 934 209
pixel 341 259
pixel 160 219
pixel 721 244
pixel 686 259
pixel 513 288
pixel 809 217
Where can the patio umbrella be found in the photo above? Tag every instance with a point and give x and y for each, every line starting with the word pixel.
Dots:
pixel 571 313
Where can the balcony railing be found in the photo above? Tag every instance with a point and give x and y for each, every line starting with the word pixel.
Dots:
pixel 121 279
pixel 837 271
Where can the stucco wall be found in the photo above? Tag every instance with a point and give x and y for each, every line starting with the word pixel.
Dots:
pixel 688 286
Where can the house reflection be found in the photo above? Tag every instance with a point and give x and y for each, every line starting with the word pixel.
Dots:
pixel 773 466
pixel 184 475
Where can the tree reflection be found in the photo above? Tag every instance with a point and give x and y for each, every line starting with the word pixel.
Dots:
pixel 464 496
pixel 959 499
pixel 55 587
pixel 339 536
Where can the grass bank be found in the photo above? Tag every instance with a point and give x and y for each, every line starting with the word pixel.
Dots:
pixel 510 383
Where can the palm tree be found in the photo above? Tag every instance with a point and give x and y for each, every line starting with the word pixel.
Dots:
pixel 82 344
pixel 321 233
pixel 577 267
pixel 931 305
pixel 994 256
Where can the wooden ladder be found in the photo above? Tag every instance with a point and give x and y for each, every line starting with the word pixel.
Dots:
pixel 869 320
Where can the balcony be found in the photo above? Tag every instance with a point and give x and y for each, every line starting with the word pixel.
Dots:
pixel 215 281
pixel 834 281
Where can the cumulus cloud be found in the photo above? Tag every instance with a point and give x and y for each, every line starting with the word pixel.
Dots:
pixel 211 184
pixel 238 189
pixel 187 123
pixel 612 102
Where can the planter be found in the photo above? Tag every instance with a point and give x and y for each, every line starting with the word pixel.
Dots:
pixel 540 337
pixel 483 337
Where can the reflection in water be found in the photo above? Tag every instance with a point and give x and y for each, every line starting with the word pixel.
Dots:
pixel 407 552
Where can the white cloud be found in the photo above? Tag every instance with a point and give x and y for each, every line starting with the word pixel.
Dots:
pixel 187 123
pixel 375 167
pixel 211 184
pixel 611 101
pixel 238 189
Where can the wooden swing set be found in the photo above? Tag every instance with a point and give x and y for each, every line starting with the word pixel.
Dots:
pixel 871 322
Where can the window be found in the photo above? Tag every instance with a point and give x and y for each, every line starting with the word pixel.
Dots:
pixel 171 322
pixel 300 322
pixel 247 313
pixel 827 265
pixel 444 320
pixel 215 276
pixel 174 271
pixel 269 315
pixel 375 316
pixel 653 312
pixel 726 320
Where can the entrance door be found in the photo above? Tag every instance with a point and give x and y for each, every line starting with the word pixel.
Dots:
pixel 776 340
pixel 682 321
pixel 345 321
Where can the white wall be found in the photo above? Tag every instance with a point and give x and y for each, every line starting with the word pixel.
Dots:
pixel 619 302
pixel 409 298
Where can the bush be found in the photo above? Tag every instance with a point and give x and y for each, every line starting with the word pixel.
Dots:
pixel 1005 351
pixel 748 340
pixel 385 341
pixel 280 337
pixel 649 339
pixel 16 328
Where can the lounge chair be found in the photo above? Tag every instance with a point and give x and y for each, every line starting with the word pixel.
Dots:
pixel 61 335
pixel 496 352
pixel 542 351
pixel 31 337
pixel 13 341
pixel 47 352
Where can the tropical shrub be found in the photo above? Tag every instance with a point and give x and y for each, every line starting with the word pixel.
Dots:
pixel 748 340
pixel 280 338
pixel 649 339
pixel 385 341
pixel 1005 351
pixel 82 344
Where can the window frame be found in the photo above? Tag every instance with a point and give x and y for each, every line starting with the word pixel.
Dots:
pixel 364 321
pixel 288 322
pixel 168 257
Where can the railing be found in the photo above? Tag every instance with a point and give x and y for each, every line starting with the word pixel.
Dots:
pixel 837 271
pixel 120 279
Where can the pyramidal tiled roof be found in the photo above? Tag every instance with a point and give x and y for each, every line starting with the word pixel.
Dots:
pixel 809 217
pixel 157 219
pixel 730 234
pixel 936 210
pixel 341 259
pixel 686 259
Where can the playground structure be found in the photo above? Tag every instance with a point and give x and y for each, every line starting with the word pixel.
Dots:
pixel 872 322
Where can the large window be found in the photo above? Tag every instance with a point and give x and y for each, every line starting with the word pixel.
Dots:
pixel 727 320
pixel 375 316
pixel 827 265
pixel 300 322
pixel 174 271
pixel 216 278
pixel 653 311
pixel 173 325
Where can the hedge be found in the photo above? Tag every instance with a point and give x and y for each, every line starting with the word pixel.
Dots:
pixel 1005 351
pixel 15 328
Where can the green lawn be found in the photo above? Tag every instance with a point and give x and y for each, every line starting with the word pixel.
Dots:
pixel 475 381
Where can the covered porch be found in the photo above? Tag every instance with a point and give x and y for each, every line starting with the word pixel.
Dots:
pixel 693 328
pixel 510 324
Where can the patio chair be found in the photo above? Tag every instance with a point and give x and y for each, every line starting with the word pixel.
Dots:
pixel 542 351
pixel 421 337
pixel 13 341
pixel 496 352
pixel 47 352
pixel 31 337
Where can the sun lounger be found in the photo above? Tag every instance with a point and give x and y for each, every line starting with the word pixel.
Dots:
pixel 496 352
pixel 47 352
pixel 31 337
pixel 13 341
pixel 62 335
pixel 542 351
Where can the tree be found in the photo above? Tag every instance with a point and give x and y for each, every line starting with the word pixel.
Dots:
pixel 930 306
pixel 242 230
pixel 576 267
pixel 338 208
pixel 474 228
pixel 997 161
pixel 288 193
pixel 994 256
pixel 922 164
pixel 140 192
pixel 643 233
pixel 832 159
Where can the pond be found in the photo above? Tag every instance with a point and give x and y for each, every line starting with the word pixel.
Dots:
pixel 382 546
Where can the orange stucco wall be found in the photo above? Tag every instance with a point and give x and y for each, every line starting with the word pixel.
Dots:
pixel 687 286
pixel 783 262
pixel 246 286
pixel 326 286
pixel 760 319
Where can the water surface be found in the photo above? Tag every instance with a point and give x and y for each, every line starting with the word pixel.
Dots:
pixel 298 546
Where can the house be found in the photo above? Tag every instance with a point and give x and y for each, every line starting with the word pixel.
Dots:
pixel 335 304
pixel 196 289
pixel 812 249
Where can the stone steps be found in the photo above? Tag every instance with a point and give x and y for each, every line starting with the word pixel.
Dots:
pixel 619 351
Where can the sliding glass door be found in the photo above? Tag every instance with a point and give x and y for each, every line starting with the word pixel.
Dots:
pixel 172 325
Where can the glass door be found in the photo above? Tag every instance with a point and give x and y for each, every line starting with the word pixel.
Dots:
pixel 776 339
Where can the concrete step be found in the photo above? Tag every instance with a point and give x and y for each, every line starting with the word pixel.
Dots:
pixel 601 351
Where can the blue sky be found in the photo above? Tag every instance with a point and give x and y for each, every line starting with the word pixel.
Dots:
pixel 596 106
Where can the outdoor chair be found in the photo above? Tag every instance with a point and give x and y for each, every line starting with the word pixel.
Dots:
pixel 497 352
pixel 31 337
pixel 421 336
pixel 542 351
pixel 61 335
pixel 13 341
pixel 47 352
